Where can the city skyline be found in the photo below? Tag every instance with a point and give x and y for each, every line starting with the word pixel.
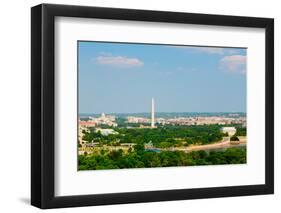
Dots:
pixel 122 78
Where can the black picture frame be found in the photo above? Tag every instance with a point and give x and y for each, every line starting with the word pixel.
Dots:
pixel 43 102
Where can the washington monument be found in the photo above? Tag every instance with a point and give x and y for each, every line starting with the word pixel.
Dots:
pixel 152 114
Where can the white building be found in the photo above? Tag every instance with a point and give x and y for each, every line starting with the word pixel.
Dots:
pixel 105 120
pixel 230 130
pixel 133 119
pixel 81 133
pixel 106 132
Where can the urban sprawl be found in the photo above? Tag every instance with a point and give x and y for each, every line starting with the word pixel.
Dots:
pixel 107 141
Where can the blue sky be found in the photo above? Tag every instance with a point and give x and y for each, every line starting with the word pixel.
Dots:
pixel 122 78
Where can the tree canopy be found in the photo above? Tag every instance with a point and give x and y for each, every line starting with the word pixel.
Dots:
pixel 117 159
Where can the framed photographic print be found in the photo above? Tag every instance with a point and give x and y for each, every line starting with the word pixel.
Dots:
pixel 139 106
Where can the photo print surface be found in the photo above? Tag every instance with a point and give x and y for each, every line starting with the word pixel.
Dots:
pixel 159 105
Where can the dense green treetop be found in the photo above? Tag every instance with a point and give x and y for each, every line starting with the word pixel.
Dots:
pixel 163 136
pixel 144 159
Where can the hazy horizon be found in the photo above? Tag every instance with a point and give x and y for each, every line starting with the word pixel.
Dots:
pixel 108 113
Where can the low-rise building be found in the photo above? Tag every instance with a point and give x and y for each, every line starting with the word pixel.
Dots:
pixel 229 130
pixel 106 132
pixel 104 120
pixel 88 123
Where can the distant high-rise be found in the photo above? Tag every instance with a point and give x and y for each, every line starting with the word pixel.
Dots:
pixel 152 113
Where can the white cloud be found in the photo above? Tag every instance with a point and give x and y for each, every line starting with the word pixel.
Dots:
pixel 211 50
pixel 232 51
pixel 234 63
pixel 119 61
